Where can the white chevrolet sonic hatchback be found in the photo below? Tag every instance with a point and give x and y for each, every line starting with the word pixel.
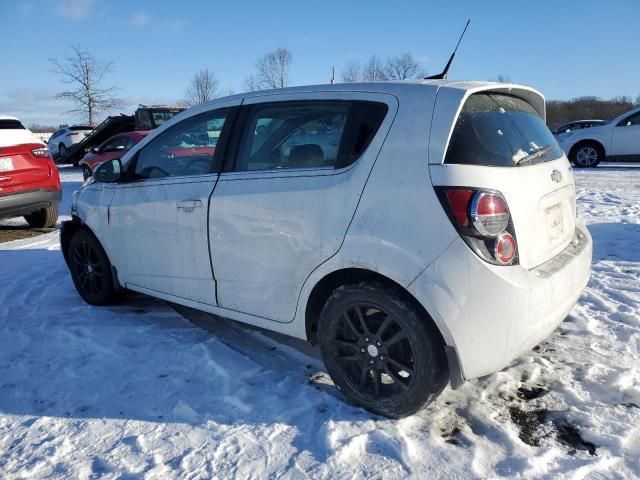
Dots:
pixel 421 232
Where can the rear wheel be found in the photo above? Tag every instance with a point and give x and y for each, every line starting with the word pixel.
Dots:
pixel 62 151
pixel 380 350
pixel 44 218
pixel 90 269
pixel 86 172
pixel 588 154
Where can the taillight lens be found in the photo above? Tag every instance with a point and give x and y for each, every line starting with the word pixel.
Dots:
pixel 505 248
pixel 483 220
pixel 42 152
pixel 489 213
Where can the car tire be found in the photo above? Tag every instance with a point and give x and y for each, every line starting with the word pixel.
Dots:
pixel 380 350
pixel 44 218
pixel 62 151
pixel 91 270
pixel 587 155
pixel 86 172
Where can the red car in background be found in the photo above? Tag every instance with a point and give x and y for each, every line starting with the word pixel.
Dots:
pixel 114 147
pixel 29 180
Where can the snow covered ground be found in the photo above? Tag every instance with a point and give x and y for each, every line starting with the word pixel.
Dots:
pixel 138 391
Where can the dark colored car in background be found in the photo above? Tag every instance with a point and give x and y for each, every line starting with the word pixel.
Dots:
pixel 29 180
pixel 110 149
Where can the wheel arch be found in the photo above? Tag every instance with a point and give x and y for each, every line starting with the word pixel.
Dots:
pixel 68 230
pixel 586 141
pixel 323 289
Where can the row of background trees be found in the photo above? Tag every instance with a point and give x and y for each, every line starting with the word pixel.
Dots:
pixel 84 77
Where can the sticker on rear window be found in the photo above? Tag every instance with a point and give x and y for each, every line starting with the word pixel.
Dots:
pixel 6 164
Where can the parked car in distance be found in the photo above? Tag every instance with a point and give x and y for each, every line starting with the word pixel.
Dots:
pixel 416 246
pixel 614 141
pixel 62 139
pixel 577 125
pixel 114 147
pixel 29 180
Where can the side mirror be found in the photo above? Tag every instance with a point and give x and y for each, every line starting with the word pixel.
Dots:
pixel 108 172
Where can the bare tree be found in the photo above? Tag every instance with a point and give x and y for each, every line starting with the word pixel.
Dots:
pixel 403 67
pixel 352 72
pixel 273 68
pixel 251 84
pixel 374 70
pixel 202 87
pixel 84 74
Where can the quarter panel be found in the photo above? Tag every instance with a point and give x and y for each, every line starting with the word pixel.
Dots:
pixel 399 223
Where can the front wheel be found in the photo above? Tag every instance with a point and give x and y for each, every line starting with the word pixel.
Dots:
pixel 380 350
pixel 90 269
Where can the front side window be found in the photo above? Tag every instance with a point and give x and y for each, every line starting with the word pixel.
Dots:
pixel 631 120
pixel 500 130
pixel 185 149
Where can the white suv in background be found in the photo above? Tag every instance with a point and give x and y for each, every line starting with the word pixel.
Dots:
pixel 60 142
pixel 616 141
pixel 421 232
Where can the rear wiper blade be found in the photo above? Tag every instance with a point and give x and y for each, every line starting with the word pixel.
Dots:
pixel 541 152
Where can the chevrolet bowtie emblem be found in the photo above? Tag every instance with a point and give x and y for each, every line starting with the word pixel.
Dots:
pixel 556 176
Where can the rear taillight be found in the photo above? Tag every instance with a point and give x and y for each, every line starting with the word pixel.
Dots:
pixel 489 213
pixel 483 220
pixel 42 152
pixel 505 248
pixel 72 134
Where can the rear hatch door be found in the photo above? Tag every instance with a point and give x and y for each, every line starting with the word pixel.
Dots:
pixel 500 142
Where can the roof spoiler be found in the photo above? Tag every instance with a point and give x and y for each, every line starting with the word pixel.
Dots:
pixel 443 74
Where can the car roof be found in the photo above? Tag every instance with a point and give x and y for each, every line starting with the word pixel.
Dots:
pixel 8 117
pixel 393 86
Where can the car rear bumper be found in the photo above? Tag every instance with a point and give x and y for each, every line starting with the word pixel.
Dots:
pixel 492 314
pixel 23 203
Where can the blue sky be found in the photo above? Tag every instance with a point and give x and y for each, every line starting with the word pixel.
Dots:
pixel 565 49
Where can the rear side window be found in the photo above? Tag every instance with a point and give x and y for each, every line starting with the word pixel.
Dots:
pixel 11 125
pixel 500 130
pixel 77 128
pixel 307 134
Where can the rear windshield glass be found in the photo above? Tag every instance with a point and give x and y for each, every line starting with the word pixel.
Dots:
pixel 11 125
pixel 500 130
pixel 80 127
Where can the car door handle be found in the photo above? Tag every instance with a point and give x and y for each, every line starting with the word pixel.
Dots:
pixel 189 204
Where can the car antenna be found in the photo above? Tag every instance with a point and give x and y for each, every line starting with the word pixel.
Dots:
pixel 443 75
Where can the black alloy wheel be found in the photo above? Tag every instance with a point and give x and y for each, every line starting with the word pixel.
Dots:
pixel 380 350
pixel 90 269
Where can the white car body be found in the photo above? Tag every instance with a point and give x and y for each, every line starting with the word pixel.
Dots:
pixel 66 136
pixel 16 136
pixel 572 127
pixel 253 245
pixel 619 139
